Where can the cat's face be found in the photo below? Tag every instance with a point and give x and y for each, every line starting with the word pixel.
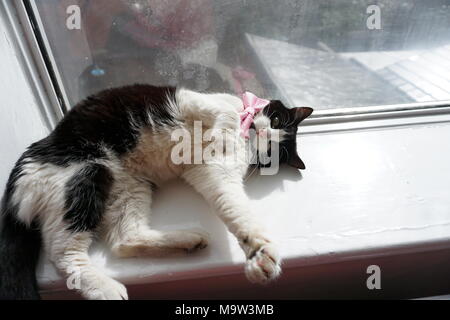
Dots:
pixel 278 124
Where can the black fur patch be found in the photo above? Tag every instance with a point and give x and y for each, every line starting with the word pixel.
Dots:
pixel 19 248
pixel 107 119
pixel 288 120
pixel 19 253
pixel 86 195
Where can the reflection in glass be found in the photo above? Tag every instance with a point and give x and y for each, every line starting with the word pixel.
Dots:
pixel 306 52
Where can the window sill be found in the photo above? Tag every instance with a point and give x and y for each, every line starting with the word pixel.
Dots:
pixel 364 194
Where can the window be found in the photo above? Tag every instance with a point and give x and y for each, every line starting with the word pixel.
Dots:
pixel 319 53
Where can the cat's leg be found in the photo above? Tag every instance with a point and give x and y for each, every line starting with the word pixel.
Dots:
pixel 73 201
pixel 223 188
pixel 69 253
pixel 127 228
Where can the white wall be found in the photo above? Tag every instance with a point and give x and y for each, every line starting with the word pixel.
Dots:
pixel 20 120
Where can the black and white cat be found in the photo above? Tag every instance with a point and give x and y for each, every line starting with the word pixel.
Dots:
pixel 93 177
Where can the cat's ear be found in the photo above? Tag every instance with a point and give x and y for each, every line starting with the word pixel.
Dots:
pixel 301 113
pixel 296 162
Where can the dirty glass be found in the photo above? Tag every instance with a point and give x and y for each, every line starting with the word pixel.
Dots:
pixel 319 53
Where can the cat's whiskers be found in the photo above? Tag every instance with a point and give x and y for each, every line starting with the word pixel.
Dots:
pixel 251 173
pixel 283 148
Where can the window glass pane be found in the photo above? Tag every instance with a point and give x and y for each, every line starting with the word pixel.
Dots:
pixel 319 53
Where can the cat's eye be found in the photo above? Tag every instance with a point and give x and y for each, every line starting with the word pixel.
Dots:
pixel 275 122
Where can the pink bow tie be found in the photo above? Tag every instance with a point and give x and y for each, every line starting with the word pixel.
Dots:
pixel 252 105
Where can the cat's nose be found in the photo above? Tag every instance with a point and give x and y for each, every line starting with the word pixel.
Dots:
pixel 263 133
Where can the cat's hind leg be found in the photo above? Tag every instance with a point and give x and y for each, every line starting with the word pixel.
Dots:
pixel 127 225
pixel 69 253
pixel 75 199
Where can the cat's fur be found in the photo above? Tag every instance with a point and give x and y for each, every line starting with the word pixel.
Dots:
pixel 93 176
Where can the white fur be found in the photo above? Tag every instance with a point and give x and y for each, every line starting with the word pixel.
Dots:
pixel 126 226
pixel 221 183
pixel 39 190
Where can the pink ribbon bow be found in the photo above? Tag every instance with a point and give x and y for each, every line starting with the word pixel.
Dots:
pixel 252 105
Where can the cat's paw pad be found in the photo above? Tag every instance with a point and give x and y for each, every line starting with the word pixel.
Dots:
pixel 263 265
pixel 105 288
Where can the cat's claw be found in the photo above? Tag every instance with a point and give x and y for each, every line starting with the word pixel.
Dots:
pixel 263 265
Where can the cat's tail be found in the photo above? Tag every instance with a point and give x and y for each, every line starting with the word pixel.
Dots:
pixel 19 253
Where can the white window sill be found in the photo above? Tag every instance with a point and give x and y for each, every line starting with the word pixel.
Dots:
pixel 363 194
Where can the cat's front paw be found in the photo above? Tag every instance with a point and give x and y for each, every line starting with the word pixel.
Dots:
pixel 263 265
pixel 104 288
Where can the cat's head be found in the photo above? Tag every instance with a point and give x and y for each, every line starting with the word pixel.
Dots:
pixel 277 124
